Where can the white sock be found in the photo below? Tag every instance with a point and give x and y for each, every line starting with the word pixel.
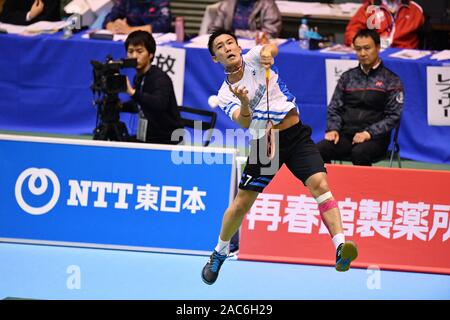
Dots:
pixel 223 247
pixel 338 239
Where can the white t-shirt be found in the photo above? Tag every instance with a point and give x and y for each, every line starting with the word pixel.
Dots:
pixel 281 101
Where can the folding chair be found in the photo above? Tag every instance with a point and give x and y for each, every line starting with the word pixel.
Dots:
pixel 395 151
pixel 207 119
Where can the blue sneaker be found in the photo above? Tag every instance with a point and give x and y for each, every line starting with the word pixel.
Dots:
pixel 345 254
pixel 210 271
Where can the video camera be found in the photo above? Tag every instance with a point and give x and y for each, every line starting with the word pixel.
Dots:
pixel 107 77
pixel 107 84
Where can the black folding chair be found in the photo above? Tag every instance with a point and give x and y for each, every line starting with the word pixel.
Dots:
pixel 199 119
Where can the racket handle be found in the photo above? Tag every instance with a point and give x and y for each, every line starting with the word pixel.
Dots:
pixel 267 73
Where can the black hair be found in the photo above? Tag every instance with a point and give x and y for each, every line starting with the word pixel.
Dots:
pixel 141 38
pixel 368 33
pixel 216 34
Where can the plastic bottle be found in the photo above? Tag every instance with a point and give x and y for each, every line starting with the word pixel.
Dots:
pixel 303 39
pixel 179 28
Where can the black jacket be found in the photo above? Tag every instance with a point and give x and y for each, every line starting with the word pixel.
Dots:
pixel 15 11
pixel 362 102
pixel 159 105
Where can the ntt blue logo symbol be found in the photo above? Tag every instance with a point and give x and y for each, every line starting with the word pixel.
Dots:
pixel 38 183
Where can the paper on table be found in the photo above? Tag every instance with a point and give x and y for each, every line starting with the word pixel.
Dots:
pixel 38 27
pixel 200 41
pixel 440 56
pixel 43 26
pixel 160 38
pixel 339 49
pixel 410 54
pixel 305 8
pixel 12 28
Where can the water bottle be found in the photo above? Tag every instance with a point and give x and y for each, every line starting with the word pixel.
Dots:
pixel 179 29
pixel 303 35
pixel 67 32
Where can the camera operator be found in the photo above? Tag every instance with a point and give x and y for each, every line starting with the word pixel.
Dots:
pixel 152 94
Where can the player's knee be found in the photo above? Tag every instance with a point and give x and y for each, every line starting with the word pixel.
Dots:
pixel 318 184
pixel 240 207
pixel 243 202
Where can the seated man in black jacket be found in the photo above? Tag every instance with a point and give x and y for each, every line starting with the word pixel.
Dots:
pixel 366 106
pixel 152 94
pixel 25 12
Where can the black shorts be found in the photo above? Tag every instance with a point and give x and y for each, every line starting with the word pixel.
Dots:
pixel 295 149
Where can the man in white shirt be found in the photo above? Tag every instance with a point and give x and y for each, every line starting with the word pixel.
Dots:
pixel 243 97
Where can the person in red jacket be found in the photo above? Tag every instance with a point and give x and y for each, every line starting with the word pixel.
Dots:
pixel 396 21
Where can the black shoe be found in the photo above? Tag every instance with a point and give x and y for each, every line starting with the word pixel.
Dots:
pixel 234 247
pixel 345 254
pixel 210 271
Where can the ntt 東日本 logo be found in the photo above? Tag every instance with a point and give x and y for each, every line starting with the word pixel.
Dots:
pixel 37 192
pixel 38 184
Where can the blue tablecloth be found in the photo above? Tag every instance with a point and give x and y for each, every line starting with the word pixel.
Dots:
pixel 44 87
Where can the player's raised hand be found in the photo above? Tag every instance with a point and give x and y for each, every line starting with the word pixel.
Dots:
pixel 267 55
pixel 240 93
pixel 266 59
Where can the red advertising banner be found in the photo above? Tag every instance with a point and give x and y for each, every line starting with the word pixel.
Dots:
pixel 399 219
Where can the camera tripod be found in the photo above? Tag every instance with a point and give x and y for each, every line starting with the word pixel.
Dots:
pixel 113 131
pixel 109 126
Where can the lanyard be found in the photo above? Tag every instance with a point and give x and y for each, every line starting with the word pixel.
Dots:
pixel 392 27
pixel 141 89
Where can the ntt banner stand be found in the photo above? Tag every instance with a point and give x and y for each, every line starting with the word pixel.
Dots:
pixel 399 218
pixel 113 194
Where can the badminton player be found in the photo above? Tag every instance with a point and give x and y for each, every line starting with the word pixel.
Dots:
pixel 265 108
